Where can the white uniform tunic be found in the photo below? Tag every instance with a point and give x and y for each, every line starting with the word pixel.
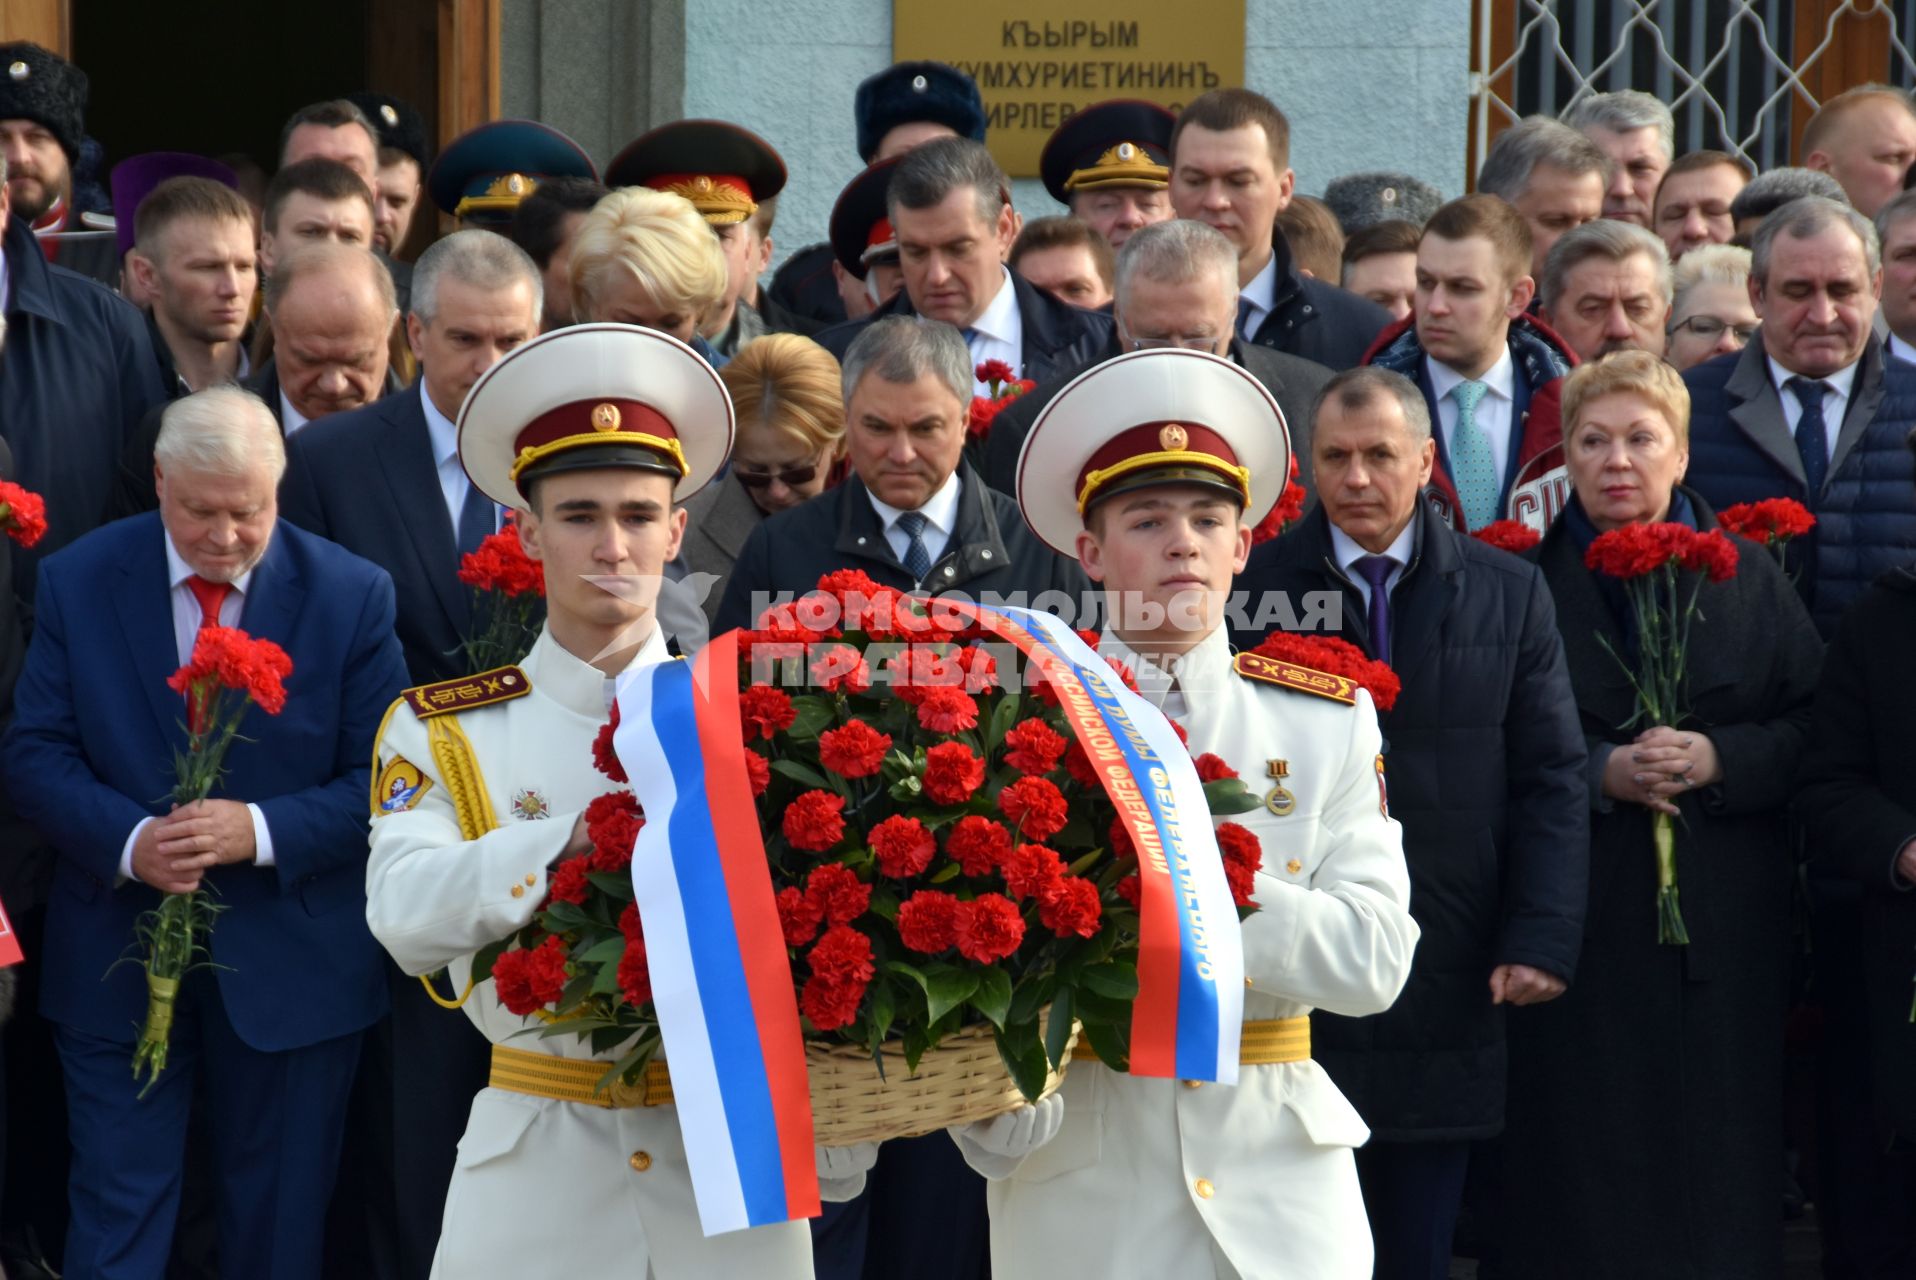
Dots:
pixel 541 1187
pixel 1156 1178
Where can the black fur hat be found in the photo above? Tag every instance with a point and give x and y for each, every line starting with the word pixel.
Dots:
pixel 909 91
pixel 46 88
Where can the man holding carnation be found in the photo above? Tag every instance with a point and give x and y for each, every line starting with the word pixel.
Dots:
pixel 1168 458
pixel 487 809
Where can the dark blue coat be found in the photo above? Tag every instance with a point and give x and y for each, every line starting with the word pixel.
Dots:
pixel 88 756
pixel 1485 762
pixel 1741 450
pixel 1315 319
pixel 77 373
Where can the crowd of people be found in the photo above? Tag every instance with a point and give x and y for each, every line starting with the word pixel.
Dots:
pixel 241 406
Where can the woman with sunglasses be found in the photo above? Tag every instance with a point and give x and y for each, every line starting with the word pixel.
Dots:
pixel 1710 312
pixel 791 433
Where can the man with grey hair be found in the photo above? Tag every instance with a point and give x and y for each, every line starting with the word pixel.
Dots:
pixel 1638 133
pixel 915 517
pixel 1802 411
pixel 332 308
pixel 1553 175
pixel 1767 192
pixel 950 209
pixel 1176 287
pixel 269 1041
pixel 1486 765
pixel 1606 287
pixel 1896 232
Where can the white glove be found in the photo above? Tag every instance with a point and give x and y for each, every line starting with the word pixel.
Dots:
pixel 841 1170
pixel 995 1148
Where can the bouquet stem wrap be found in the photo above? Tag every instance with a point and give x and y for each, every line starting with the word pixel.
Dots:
pixel 1670 928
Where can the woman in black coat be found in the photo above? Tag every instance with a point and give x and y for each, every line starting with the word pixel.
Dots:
pixel 1644 1134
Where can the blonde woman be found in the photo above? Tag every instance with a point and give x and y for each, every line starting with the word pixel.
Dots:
pixel 648 258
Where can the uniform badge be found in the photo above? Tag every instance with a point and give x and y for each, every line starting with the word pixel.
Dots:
pixel 401 786
pixel 1172 438
pixel 1294 866
pixel 530 805
pixel 1280 801
pixel 1383 796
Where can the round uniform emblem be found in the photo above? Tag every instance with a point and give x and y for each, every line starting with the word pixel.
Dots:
pixel 19 71
pixel 529 805
pixel 918 83
pixel 605 417
pixel 702 183
pixel 1388 195
pixel 1126 151
pixel 516 185
pixel 1172 437
pixel 387 114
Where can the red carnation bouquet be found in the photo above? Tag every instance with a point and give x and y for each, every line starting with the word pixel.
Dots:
pixel 1513 536
pixel 1774 522
pixel 23 514
pixel 229 672
pixel 508 598
pixel 1337 657
pixel 1662 568
pixel 1005 386
pixel 1288 511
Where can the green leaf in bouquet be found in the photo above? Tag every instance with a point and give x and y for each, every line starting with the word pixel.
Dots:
pixel 800 773
pixel 884 903
pixel 1058 1030
pixel 605 952
pixel 1030 996
pixel 1094 1007
pixel 617 886
pixel 1076 834
pixel 1003 716
pixel 577 988
pixel 483 958
pixel 566 915
pixel 812 716
pixel 1085 862
pixel 1227 796
pixel 907 789
pixel 1115 979
pixel 946 873
pixel 917 1044
pixel 1024 1058
pixel 946 988
pixel 884 1009
pixel 1111 1043
pixel 606 1039
pixel 993 996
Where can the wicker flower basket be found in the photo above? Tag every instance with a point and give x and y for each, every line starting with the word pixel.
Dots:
pixel 962 1080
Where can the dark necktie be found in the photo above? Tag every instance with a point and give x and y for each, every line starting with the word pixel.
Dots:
pixel 1376 571
pixel 1244 308
pixel 917 558
pixel 476 520
pixel 1812 433
pixel 211 595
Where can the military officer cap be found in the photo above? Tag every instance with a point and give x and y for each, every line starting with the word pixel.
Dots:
pixel 591 397
pixel 1151 418
pixel 484 173
pixel 725 171
pixel 400 126
pixel 1122 143
pixel 1362 200
pixel 907 92
pixel 134 178
pixel 43 87
pixel 861 232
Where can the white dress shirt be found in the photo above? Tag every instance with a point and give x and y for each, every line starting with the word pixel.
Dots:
pixel 186 628
pixel 1900 349
pixel 290 419
pixel 1261 293
pixel 998 334
pixel 1835 400
pixel 1493 411
pixel 454 484
pixel 1347 553
pixel 941 520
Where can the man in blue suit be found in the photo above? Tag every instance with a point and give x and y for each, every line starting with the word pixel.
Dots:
pixel 276 1027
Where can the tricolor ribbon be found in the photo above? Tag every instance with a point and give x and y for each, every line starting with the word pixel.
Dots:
pixel 721 984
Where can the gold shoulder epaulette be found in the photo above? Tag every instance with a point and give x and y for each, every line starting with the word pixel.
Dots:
pixel 1289 675
pixel 501 684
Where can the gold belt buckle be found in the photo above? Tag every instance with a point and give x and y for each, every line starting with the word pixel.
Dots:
pixel 621 1094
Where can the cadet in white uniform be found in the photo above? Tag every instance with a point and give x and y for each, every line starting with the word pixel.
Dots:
pixel 1168 458
pixel 596 433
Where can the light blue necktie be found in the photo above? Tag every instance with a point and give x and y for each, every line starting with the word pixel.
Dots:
pixel 917 557
pixel 1472 466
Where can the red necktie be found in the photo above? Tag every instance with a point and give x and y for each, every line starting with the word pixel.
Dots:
pixel 211 596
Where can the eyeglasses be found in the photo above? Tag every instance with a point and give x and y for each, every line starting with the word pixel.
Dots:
pixel 1208 345
pixel 790 477
pixel 1712 328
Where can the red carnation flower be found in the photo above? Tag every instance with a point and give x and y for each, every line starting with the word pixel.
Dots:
pixel 528 981
pixel 928 921
pixel 1130 888
pixel 981 669
pixel 953 773
pixel 991 371
pixel 977 844
pixel 612 824
pixel 1711 553
pixel 764 711
pixel 1243 855
pixel 813 821
pixel 1636 549
pixel 1032 870
pixel 799 916
pixel 1121 846
pixel 841 669
pixel 1335 657
pixel 759 771
pixel 1179 729
pixel 838 893
pixel 947 710
pixel 853 750
pixel 1077 763
pixel 1035 808
pixel 635 974
pixel 1035 747
pixel 841 965
pixel 1288 511
pixel 988 928
pixel 903 846
pixel 1211 768
pixel 500 563
pixel 1071 909
pixel 1513 536
pixel 629 922
pixel 568 882
pixel 1771 521
pixel 604 758
pixel 23 513
pixel 914 672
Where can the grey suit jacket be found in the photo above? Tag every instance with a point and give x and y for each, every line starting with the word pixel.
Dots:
pixel 717 521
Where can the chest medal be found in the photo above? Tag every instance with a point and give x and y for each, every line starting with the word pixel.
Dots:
pixel 1280 801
